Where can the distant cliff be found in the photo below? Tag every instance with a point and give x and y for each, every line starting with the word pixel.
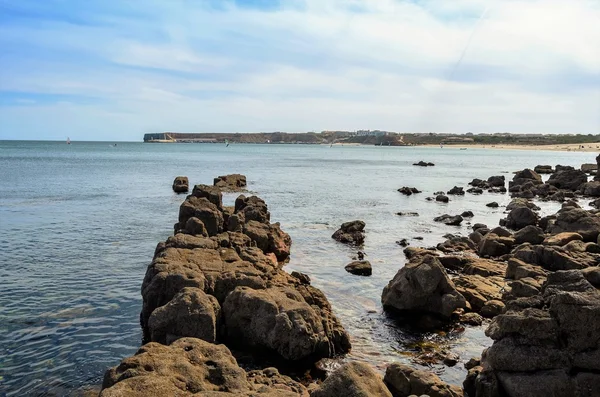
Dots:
pixel 267 137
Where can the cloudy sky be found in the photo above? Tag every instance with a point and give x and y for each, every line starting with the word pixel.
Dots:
pixel 113 70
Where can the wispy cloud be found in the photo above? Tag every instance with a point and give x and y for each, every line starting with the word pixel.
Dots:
pixel 114 70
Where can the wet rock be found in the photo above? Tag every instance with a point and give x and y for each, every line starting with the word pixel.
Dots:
pixel 232 182
pixel 467 214
pixel 493 245
pixel 415 252
pixel 409 190
pixel 570 179
pixel 543 169
pixel 280 320
pixel 475 190
pixel 442 198
pixel 353 379
pixel 525 176
pixel 422 287
pixel 403 243
pixel 479 226
pixel 359 268
pixel 529 234
pixel 589 167
pixel 561 239
pixel 492 308
pixel 493 204
pixel 181 184
pixel 476 237
pixel 473 362
pixel 191 313
pixel 407 213
pixel 350 233
pixel 500 231
pixel 496 181
pixel 424 164
pixel 458 191
pixel 520 217
pixel 449 219
pixel 403 380
pixel 471 319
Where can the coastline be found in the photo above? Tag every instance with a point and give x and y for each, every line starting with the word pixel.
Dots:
pixel 587 148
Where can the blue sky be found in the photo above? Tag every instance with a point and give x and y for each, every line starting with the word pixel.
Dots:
pixel 114 70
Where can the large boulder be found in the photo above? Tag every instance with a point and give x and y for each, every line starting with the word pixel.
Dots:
pixel 478 290
pixel 204 210
pixel 529 234
pixel 555 258
pixel 520 217
pixel 422 287
pixel 577 220
pixel 280 319
pixel 493 245
pixel 569 179
pixel 233 182
pixel 181 184
pixel 403 381
pixel 591 189
pixel 353 379
pixel 526 176
pixel 350 233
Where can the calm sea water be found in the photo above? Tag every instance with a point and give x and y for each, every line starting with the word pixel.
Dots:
pixel 79 224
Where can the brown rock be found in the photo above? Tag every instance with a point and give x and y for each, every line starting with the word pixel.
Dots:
pixel 233 182
pixel 403 380
pixel 353 379
pixel 350 233
pixel 359 268
pixel 181 184
pixel 561 239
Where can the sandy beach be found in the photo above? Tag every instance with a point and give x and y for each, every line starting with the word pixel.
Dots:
pixel 588 147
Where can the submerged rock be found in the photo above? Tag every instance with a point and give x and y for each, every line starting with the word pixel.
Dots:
pixel 409 190
pixel 424 164
pixel 450 220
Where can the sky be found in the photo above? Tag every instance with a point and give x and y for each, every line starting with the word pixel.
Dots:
pixel 114 70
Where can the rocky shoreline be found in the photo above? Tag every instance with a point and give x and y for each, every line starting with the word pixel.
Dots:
pixel 218 285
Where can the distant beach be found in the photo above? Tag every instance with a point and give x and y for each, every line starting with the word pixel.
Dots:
pixel 588 147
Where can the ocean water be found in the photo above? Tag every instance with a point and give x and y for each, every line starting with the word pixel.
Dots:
pixel 79 224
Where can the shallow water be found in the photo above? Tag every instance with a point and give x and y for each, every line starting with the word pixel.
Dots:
pixel 79 224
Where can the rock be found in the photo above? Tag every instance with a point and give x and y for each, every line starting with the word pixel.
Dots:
pixel 203 210
pixel 493 204
pixel 478 290
pixel 424 164
pixel 568 179
pixel 457 244
pixel 280 320
pixel 471 319
pixel 441 198
pixel 186 367
pixel 529 234
pixel 592 275
pixel 493 245
pixel 500 231
pixel 233 182
pixel 589 167
pixel 525 176
pixel 597 176
pixel 456 191
pixel 403 242
pixel 475 190
pixel 467 214
pixel 416 252
pixel 479 226
pixel 521 202
pixel 591 189
pixel 350 233
pixel 492 308
pixel 576 220
pixel 449 219
pixel 543 169
pixel 407 213
pixel 555 258
pixel 211 193
pixel 483 267
pixel 472 363
pixel 181 184
pixel 496 181
pixel 561 239
pixel 520 217
pixel 518 269
pixel 353 379
pixel 476 237
pixel 408 190
pixel 359 268
pixel 303 278
pixel 422 287
pixel 403 380
pixel 191 313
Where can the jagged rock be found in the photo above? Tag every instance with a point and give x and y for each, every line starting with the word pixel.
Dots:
pixel 521 202
pixel 457 244
pixel 205 211
pixel 415 252
pixel 529 234
pixel 493 245
pixel 181 184
pixel 483 267
pixel 567 179
pixel 475 190
pixel 518 269
pixel 403 243
pixel 449 219
pixel 459 191
pixel 524 177
pixel 520 217
pixel 543 169
pixel 403 380
pixel 561 239
pixel 422 287
pixel 191 313
pixel 359 268
pixel 554 258
pixel 353 379
pixel 478 290
pixel 350 233
pixel 303 278
pixel 592 275
pixel 577 220
pixel 233 182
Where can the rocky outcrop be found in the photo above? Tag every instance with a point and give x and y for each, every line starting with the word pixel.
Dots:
pixel 422 289
pixel 577 220
pixel 408 191
pixel 192 367
pixel 231 183
pixel 478 290
pixel 353 379
pixel 350 233
pixel 404 381
pixel 456 191
pixel 359 268
pixel 450 220
pixel 569 179
pixel 181 184
pixel 546 345
pixel 555 258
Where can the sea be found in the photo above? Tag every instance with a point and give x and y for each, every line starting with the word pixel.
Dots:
pixel 79 224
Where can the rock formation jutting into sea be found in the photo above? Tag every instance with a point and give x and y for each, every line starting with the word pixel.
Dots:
pixel 216 291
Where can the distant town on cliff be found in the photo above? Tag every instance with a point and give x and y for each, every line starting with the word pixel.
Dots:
pixel 373 137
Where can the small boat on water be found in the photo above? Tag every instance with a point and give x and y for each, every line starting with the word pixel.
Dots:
pixel 68 141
